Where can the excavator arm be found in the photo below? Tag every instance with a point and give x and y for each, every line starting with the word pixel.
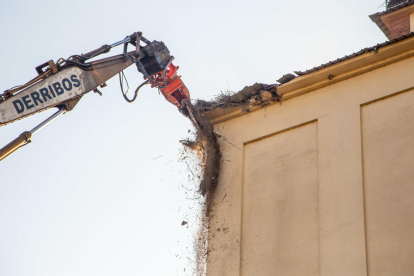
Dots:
pixel 62 84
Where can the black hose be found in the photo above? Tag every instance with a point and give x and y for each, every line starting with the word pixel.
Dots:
pixel 136 92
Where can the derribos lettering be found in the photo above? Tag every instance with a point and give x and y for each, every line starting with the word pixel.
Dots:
pixel 46 93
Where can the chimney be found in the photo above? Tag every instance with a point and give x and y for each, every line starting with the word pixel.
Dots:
pixel 397 20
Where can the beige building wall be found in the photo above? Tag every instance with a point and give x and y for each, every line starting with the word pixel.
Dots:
pixel 322 184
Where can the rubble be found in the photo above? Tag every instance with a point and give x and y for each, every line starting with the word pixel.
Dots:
pixel 258 94
pixel 206 146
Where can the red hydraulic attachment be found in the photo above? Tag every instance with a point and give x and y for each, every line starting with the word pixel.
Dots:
pixel 175 90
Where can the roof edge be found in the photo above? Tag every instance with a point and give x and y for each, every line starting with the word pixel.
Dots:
pixel 346 69
pixel 377 20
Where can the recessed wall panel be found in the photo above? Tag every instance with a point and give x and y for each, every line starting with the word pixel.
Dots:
pixel 388 161
pixel 280 213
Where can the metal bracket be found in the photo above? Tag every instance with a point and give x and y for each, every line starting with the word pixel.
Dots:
pixel 70 105
pixel 137 43
pixel 96 90
pixel 51 64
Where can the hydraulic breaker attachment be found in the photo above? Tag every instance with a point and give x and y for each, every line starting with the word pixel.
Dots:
pixel 171 86
pixel 175 91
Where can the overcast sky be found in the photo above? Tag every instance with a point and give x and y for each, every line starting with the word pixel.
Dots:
pixel 99 191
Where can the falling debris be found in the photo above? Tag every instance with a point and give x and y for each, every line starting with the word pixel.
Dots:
pixel 206 146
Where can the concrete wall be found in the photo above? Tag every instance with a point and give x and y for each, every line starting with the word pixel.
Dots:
pixel 321 185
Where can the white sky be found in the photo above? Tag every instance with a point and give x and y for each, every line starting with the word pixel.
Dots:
pixel 87 197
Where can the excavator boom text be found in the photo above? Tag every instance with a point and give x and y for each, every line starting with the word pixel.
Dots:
pixel 62 84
